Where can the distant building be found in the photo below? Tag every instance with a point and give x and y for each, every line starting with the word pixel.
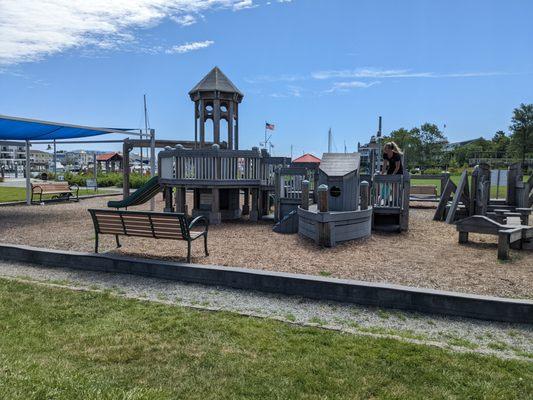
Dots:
pixel 40 160
pixel 110 162
pixel 307 158
pixel 12 156
pixel 455 145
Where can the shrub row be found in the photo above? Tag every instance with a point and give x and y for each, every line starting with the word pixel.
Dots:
pixel 106 180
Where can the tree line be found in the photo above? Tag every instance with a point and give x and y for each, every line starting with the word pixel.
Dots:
pixel 427 146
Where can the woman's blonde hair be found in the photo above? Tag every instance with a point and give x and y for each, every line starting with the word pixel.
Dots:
pixel 392 146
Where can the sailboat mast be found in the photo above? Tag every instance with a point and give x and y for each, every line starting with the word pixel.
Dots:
pixel 145 129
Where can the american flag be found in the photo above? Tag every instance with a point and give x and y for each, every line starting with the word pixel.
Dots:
pixel 270 126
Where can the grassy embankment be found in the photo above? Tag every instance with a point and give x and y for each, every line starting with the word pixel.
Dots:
pixel 63 344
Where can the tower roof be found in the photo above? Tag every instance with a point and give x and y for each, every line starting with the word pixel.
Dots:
pixel 215 80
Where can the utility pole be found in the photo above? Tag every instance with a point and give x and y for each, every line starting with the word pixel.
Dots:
pixel 329 140
pixel 291 152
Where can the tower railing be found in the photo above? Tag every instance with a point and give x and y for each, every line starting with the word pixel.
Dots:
pixel 218 166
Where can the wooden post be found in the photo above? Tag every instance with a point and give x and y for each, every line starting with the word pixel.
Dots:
pixel 406 187
pixel 323 198
pixel 450 217
pixel 202 123
pixel 254 212
pixel 512 173
pixel 277 194
pixel 230 126
pixel 168 199
pixel 503 246
pixel 246 203
pixel 214 216
pixel 443 181
pixel 216 121
pixel 365 195
pixel 305 194
pixel 181 204
pixel 236 129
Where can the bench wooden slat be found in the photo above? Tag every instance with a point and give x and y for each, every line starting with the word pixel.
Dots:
pixel 147 224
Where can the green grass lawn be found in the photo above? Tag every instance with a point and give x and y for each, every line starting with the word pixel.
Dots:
pixel 61 344
pixel 8 194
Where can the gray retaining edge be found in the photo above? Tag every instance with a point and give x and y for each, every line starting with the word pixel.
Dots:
pixel 314 287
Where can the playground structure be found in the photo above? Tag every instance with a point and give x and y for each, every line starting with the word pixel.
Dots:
pixel 338 216
pixel 471 196
pixel 218 172
pixel 383 198
pixel 469 206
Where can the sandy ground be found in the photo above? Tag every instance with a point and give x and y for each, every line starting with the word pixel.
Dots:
pixel 426 256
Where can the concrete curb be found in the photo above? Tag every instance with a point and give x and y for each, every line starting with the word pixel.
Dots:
pixel 315 287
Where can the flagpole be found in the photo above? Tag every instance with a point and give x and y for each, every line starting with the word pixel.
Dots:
pixel 265 135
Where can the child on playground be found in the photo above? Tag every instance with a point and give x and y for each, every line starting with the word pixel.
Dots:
pixel 392 159
pixel 392 165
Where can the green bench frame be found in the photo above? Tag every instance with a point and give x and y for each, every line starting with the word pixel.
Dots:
pixel 157 225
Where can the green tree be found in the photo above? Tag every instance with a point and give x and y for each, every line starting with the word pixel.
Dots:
pixel 500 144
pixel 521 128
pixel 432 142
pixel 408 142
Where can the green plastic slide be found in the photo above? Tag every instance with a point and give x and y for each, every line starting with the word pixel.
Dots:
pixel 140 196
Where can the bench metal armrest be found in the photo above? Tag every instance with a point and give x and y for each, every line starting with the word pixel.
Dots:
pixel 36 189
pixel 74 185
pixel 199 220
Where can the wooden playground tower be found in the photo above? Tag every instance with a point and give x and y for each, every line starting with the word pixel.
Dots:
pixel 217 173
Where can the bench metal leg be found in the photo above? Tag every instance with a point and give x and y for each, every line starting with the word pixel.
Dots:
pixel 205 246
pixel 463 237
pixel 503 246
pixel 118 242
pixel 188 251
pixel 96 244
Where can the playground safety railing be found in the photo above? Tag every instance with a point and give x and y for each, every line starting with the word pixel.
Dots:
pixel 388 191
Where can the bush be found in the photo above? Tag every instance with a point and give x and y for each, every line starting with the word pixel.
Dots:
pixel 106 180
pixel 137 180
pixel 433 171
pixel 111 179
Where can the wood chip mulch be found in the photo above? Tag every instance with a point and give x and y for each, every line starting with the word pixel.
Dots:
pixel 427 256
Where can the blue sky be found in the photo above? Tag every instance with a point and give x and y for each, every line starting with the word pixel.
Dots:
pixel 304 65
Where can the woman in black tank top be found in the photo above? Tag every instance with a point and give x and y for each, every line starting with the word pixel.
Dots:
pixel 392 159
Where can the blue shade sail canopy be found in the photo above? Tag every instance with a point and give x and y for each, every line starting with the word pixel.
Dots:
pixel 14 128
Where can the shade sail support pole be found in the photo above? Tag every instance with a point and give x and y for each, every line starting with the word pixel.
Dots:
pixel 152 163
pixel 28 172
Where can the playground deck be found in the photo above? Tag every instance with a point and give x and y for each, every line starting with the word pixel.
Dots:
pixel 428 255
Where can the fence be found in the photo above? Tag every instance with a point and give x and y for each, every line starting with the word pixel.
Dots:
pixel 388 191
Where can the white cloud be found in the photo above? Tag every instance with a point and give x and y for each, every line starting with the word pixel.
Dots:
pixel 184 20
pixel 33 29
pixel 346 86
pixel 275 78
pixel 244 4
pixel 393 73
pixel 187 47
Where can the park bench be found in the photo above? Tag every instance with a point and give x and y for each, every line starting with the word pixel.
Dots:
pixel 424 190
pixel 150 224
pixel 58 190
pixel 509 235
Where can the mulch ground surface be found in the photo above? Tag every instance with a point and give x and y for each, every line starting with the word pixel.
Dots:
pixel 427 256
